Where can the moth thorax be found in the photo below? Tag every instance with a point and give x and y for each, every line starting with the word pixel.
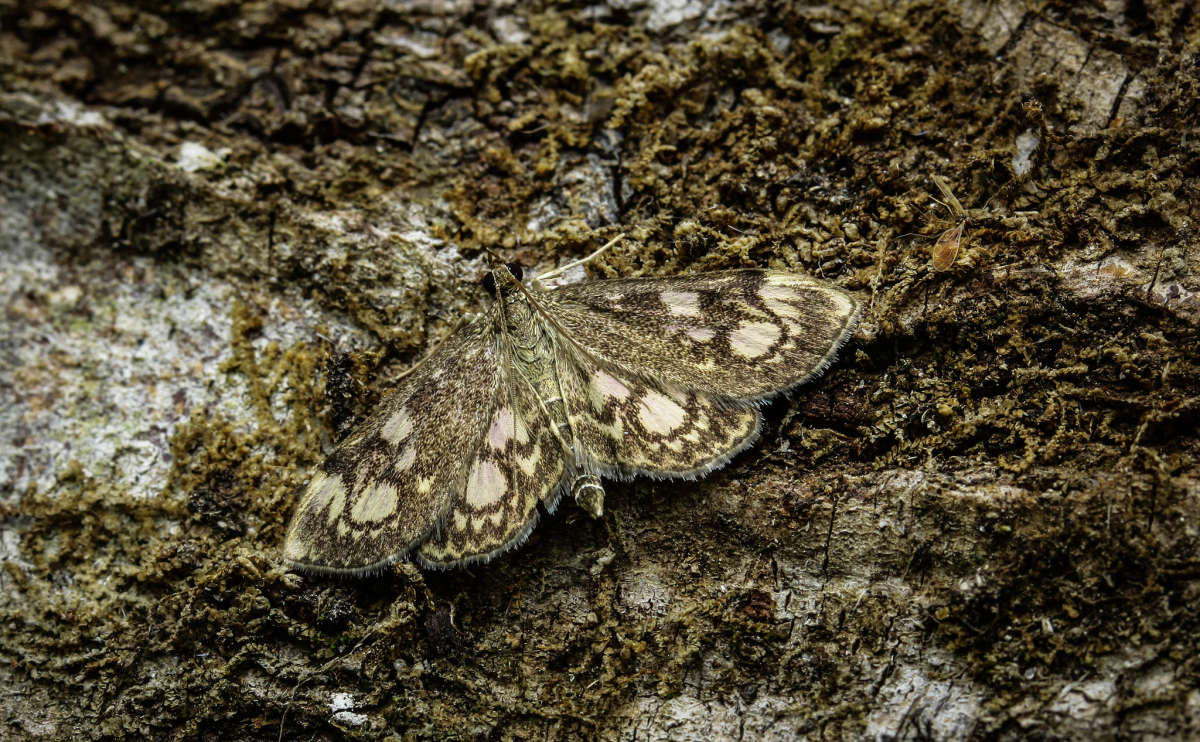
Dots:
pixel 519 315
pixel 525 331
pixel 589 494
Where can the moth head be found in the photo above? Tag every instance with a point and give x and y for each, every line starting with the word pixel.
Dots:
pixel 504 277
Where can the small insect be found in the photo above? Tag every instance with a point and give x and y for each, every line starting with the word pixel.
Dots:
pixel 945 250
pixel 549 391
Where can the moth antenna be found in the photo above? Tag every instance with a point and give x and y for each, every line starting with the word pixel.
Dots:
pixel 495 256
pixel 563 268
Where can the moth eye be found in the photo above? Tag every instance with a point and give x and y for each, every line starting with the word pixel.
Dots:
pixel 515 269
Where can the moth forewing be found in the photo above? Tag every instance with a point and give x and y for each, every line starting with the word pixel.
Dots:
pixel 522 459
pixel 384 489
pixel 511 471
pixel 549 391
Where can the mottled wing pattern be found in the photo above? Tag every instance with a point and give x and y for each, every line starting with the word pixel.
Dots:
pixel 382 491
pixel 742 334
pixel 625 426
pixel 518 463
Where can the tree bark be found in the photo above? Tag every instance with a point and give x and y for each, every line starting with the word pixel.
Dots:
pixel 226 228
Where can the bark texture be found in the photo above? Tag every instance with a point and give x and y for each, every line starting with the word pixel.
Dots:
pixel 225 226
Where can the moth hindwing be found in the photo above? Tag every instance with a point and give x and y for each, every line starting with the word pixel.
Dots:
pixel 552 389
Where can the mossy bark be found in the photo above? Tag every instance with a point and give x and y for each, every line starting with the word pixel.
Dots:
pixel 225 227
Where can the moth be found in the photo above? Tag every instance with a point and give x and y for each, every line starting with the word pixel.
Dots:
pixel 551 390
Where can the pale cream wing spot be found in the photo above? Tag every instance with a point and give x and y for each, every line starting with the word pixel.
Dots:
pixel 320 490
pixel 503 429
pixel 406 459
pixel 397 428
pixel 781 301
pixel 609 386
pixel 786 311
pixel 844 304
pixel 773 291
pixel 375 502
pixel 753 340
pixel 682 303
pixel 485 485
pixel 701 334
pixel 337 500
pixel 659 413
